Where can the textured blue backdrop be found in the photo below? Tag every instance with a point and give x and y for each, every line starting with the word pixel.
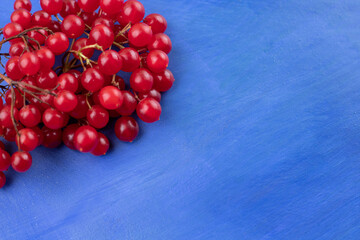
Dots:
pixel 259 138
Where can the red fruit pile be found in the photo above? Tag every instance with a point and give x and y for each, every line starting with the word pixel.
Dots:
pixel 49 105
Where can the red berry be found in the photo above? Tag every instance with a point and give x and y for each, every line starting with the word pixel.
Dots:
pixel 11 30
pixel 126 129
pixel 27 139
pixel 19 100
pixel 30 116
pixel 26 4
pixel 12 68
pixel 103 20
pixel 89 5
pixel 2 145
pixel 86 138
pixel 53 118
pixel 65 101
pixel 68 81
pixel 110 62
pixel 39 36
pixel 163 81
pixel 46 57
pixel 10 133
pixel 73 26
pixel 21 161
pixel 81 43
pixel 102 147
pixel 152 93
pixel 2 179
pixel 92 79
pixel 101 35
pixel 110 97
pixel 160 41
pixel 130 59
pixel 69 7
pixel 141 80
pixel 81 108
pixel 132 11
pixel 17 49
pixel 55 26
pixel 46 79
pixel 157 61
pixel 22 17
pixel 41 18
pixel 51 6
pixel 5 116
pixel 140 34
pixel 157 23
pixel 29 63
pixel 52 138
pixel 97 116
pixel 149 110
pixel 111 6
pixel 68 135
pixel 129 104
pixel 5 160
pixel 58 43
pixel 89 17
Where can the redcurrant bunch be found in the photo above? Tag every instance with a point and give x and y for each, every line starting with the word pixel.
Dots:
pixel 96 41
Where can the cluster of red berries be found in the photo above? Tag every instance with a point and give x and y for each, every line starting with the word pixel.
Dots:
pixel 48 106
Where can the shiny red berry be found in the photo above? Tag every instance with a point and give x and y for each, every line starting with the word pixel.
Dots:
pixel 92 79
pixel 12 68
pixel 26 4
pixel 27 140
pixel 141 80
pixel 97 116
pixel 110 62
pixel 29 63
pixel 149 110
pixel 86 138
pixel 111 6
pixel 58 43
pixel 65 101
pixel 46 57
pixel 132 12
pixel 110 97
pixel 160 41
pixel 51 6
pixel 68 81
pixel 22 17
pixel 157 22
pixel 21 161
pixel 102 147
pixel 140 34
pixel 101 35
pixel 30 116
pixel 41 18
pixel 73 26
pixel 157 61
pixel 126 129
pixel 53 118
pixel 89 5
pixel 130 59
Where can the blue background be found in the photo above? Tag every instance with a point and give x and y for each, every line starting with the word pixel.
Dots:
pixel 259 138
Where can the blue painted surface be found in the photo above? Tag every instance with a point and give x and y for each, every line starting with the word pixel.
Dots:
pixel 259 138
